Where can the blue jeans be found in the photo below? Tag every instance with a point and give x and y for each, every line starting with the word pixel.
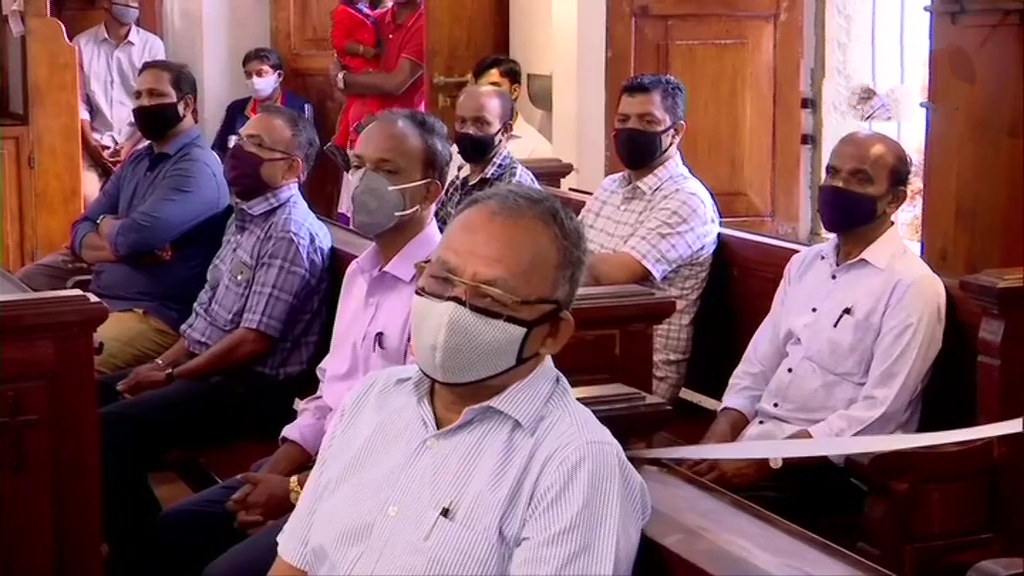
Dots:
pixel 198 536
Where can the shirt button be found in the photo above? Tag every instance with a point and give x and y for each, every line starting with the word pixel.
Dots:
pixel 431 443
pixel 833 276
pixel 760 421
pixel 775 404
pixel 815 310
pixel 790 370
pixel 393 511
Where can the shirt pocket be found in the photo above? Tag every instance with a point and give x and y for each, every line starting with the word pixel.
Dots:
pixel 459 544
pixel 228 303
pixel 843 346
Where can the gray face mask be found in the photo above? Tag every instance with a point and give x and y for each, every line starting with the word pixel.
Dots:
pixel 126 15
pixel 377 205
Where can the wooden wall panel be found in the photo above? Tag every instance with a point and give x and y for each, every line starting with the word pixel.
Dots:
pixel 973 179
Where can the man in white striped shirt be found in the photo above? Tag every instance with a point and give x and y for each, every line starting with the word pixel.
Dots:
pixel 477 460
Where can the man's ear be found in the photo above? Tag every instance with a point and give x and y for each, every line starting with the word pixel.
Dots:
pixel 188 107
pixel 898 197
pixel 679 130
pixel 561 331
pixel 515 91
pixel 433 192
pixel 506 129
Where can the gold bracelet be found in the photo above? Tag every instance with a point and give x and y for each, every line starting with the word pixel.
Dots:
pixel 294 489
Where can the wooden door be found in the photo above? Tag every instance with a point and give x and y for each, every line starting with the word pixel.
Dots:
pixel 741 64
pixel 16 243
pixel 300 31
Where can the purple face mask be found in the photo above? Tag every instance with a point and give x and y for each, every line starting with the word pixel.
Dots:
pixel 842 209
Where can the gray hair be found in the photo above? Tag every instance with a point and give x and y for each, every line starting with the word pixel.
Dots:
pixel 306 140
pixel 518 200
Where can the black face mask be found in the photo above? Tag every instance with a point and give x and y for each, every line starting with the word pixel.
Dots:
pixel 156 121
pixel 637 149
pixel 475 148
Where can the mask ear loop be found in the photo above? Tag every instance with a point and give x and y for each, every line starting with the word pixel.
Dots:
pixel 416 208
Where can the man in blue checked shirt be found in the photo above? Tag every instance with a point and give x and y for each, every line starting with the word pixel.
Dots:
pixel 249 345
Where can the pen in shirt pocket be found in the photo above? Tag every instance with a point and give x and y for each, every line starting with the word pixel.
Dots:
pixel 848 311
pixel 445 512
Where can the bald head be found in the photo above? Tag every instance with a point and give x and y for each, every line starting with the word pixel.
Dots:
pixel 483 109
pixel 870 156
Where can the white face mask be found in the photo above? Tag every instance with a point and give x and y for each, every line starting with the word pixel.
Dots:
pixel 262 88
pixel 456 346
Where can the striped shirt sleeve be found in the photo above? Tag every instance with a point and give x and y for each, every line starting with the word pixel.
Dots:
pixel 585 517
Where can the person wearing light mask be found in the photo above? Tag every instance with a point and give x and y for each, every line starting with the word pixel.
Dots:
pixel 402 157
pixel 110 56
pixel 483 122
pixel 846 348
pixel 477 459
pixel 655 223
pixel 264 73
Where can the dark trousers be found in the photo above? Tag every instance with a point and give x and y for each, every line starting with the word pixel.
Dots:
pixel 820 498
pixel 198 536
pixel 138 433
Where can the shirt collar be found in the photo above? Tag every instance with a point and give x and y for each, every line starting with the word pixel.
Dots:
pixel 253 107
pixel 879 253
pixel 499 163
pixel 180 141
pixel 269 201
pixel 132 38
pixel 661 174
pixel 523 401
pixel 389 16
pixel 403 265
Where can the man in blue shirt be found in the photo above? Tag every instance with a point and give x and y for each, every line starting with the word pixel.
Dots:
pixel 152 233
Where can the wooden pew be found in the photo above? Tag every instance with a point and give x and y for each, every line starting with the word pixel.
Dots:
pixel 49 435
pixel 697 528
pixel 930 511
pixel 572 199
pixel 548 171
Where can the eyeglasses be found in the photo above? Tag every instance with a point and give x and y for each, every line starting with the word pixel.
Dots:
pixel 250 142
pixel 478 297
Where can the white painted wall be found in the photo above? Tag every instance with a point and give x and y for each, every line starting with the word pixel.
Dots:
pixel 211 36
pixel 566 38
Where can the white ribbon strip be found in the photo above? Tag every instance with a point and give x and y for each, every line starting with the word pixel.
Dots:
pixel 806 448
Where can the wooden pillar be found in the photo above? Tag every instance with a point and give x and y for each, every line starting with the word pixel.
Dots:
pixel 973 178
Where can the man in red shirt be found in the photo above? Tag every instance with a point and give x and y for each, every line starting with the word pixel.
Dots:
pixel 399 82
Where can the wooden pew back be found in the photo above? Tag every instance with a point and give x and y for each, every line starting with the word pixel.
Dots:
pixel 548 171
pixel 974 380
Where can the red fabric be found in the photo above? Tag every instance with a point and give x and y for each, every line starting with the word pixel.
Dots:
pixel 405 40
pixel 254 105
pixel 348 24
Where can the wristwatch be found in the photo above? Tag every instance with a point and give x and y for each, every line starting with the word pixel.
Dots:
pixel 294 489
pixel 775 463
pixel 339 80
pixel 101 218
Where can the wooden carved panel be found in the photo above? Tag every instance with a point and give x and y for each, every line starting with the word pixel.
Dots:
pixel 741 64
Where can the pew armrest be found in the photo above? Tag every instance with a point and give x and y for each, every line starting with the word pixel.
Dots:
pixel 923 465
pixel 998 567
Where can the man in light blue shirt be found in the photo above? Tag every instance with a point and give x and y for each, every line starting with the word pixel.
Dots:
pixel 476 460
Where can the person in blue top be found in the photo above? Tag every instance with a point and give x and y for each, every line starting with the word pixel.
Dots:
pixel 149 238
pixel 264 72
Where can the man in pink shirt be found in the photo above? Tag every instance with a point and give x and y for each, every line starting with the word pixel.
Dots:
pixel 399 163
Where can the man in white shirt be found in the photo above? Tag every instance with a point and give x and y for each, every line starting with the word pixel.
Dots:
pixel 110 55
pixel 845 349
pixel 654 223
pixel 478 459
pixel 524 141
